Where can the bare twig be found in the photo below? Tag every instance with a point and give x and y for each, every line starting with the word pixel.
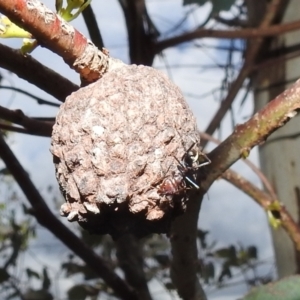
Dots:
pixel 6 127
pixel 46 218
pixel 265 201
pixel 247 33
pixel 42 128
pixel 252 51
pixel 39 75
pixel 253 132
pixel 38 99
pixel 92 26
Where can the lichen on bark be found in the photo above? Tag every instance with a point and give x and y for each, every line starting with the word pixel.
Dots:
pixel 114 143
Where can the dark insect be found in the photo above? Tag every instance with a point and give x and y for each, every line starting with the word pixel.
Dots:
pixel 191 161
pixel 172 185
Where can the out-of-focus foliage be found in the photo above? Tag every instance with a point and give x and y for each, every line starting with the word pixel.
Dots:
pixel 287 289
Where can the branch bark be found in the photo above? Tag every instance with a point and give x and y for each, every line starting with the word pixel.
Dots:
pixel 92 26
pixel 59 36
pixel 46 218
pixel 41 76
pixel 264 200
pixel 273 10
pixel 253 132
pixel 129 254
pixel 42 128
pixel 248 33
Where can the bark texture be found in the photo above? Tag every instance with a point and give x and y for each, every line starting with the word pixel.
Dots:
pixel 114 146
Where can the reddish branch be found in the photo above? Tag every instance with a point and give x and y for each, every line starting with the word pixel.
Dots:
pixel 57 35
pixel 39 75
pixel 46 218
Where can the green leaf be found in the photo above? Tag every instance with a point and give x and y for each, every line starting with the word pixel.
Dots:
pixel 82 291
pixel 5 171
pixel 287 289
pixel 222 5
pixel 30 273
pixel 46 280
pixel 252 252
pixel 3 275
pixel 37 295
pixel 226 272
pixel 201 234
pixel 229 253
pixel 208 272
pixel 162 259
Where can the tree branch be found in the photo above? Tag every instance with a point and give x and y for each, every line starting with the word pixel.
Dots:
pixel 46 218
pixel 184 230
pixel 130 259
pixel 39 75
pixel 248 33
pixel 264 200
pixel 59 36
pixel 251 54
pixel 38 99
pixel 92 26
pixel 42 128
pixel 253 132
pixel 6 127
pixel 267 184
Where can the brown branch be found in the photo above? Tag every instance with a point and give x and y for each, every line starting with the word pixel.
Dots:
pixel 39 75
pixel 267 184
pixel 140 36
pixel 38 99
pixel 59 36
pixel 184 266
pixel 6 127
pixel 253 132
pixel 92 26
pixel 46 218
pixel 251 54
pixel 264 200
pixel 42 128
pixel 129 254
pixel 183 248
pixel 248 33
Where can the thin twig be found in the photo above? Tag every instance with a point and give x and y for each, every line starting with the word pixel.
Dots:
pixel 44 78
pixel 92 26
pixel 6 127
pixel 251 54
pixel 43 128
pixel 247 33
pixel 265 201
pixel 38 99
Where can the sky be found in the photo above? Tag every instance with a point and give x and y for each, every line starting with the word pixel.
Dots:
pixel 224 206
